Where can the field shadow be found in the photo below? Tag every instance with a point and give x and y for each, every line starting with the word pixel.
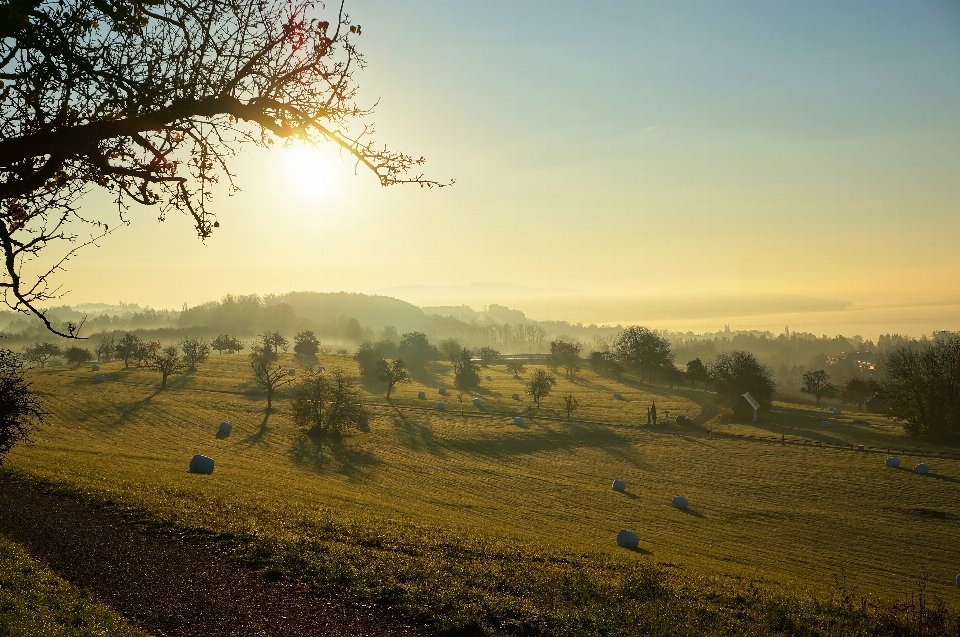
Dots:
pixel 416 436
pixel 692 513
pixel 328 452
pixel 627 494
pixel 131 411
pixel 256 438
pixel 562 436
pixel 637 549
pixel 937 476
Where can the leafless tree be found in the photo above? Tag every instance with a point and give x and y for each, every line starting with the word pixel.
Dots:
pixel 151 101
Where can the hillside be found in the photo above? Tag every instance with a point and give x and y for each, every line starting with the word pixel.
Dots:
pixel 464 517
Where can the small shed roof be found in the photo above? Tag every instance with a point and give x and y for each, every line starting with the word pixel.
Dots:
pixel 753 402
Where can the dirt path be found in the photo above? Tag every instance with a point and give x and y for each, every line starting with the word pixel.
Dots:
pixel 169 586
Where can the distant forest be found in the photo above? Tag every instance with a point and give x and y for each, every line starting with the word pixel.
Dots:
pixel 345 320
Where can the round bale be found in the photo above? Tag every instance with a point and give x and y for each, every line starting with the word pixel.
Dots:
pixel 476 401
pixel 628 539
pixel 201 464
pixel 893 462
pixel 516 396
pixel 619 485
pixel 443 391
pixel 94 368
pixel 517 420
pixel 321 368
pixel 837 411
pixel 225 428
pixel 421 395
pixel 441 406
pixel 679 502
pixel 489 377
pixel 301 355
pixel 859 447
pixel 618 396
pixel 825 424
pixel 923 468
pixel 100 378
pixel 293 371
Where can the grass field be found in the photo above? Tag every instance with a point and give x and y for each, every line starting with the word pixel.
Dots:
pixel 443 506
pixel 34 602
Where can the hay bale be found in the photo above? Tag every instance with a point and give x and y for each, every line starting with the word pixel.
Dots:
pixel 679 502
pixel 859 447
pixel 421 395
pixel 830 408
pixel 893 462
pixel 100 378
pixel 516 396
pixel 443 391
pixel 628 539
pixel 225 428
pixel 476 401
pixel 301 355
pixel 94 368
pixel 923 468
pixel 619 485
pixel 837 411
pixel 517 420
pixel 618 396
pixel 682 420
pixel 201 464
pixel 293 371
pixel 441 406
pixel 825 424
pixel 489 377
pixel 321 368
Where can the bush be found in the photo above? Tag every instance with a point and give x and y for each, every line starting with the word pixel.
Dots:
pixel 19 406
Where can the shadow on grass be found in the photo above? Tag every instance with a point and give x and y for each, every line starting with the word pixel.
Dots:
pixel 257 437
pixel 632 496
pixel 328 452
pixel 552 436
pixel 130 412
pixel 692 513
pixel 416 435
pixel 637 550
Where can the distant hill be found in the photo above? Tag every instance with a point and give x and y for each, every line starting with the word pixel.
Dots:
pixel 375 312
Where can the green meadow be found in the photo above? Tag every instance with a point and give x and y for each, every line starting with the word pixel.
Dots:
pixel 473 523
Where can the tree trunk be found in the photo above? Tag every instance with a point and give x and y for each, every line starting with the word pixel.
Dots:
pixel 389 389
pixel 163 382
pixel 269 398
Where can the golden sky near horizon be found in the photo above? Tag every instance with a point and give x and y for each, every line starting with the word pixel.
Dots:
pixel 604 151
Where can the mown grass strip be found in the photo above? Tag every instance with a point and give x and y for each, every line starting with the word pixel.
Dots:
pixel 34 602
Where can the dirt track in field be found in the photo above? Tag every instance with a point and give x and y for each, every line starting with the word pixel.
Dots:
pixel 169 586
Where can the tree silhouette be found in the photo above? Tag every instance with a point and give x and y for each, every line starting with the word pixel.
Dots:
pixel 151 101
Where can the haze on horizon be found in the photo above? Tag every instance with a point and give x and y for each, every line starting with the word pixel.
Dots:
pixel 615 162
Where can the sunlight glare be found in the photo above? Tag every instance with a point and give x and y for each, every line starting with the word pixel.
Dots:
pixel 308 173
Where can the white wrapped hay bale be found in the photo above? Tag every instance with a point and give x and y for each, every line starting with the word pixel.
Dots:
pixel 301 355
pixel 893 462
pixel 837 411
pixel 293 371
pixel 923 468
pixel 628 539
pixel 517 420
pixel 682 420
pixel 443 391
pixel 321 368
pixel 679 502
pixel 476 401
pixel 201 464
pixel 516 396
pixel 859 447
pixel 100 378
pixel 489 377
pixel 825 424
pixel 619 485
pixel 364 422
pixel 618 396
pixel 94 368
pixel 225 428
pixel 421 395
pixel 441 406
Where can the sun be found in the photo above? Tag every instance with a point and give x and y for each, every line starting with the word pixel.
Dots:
pixel 307 172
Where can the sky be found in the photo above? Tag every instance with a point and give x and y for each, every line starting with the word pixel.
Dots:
pixel 685 164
